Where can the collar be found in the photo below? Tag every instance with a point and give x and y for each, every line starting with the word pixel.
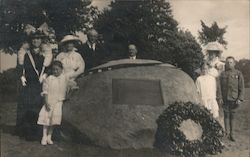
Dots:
pixel 91 45
pixel 231 70
pixel 132 57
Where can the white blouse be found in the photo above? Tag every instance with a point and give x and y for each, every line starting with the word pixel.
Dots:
pixel 73 63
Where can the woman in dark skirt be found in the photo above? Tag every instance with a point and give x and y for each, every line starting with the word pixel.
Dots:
pixel 31 72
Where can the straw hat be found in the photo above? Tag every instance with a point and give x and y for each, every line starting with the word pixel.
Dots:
pixel 213 46
pixel 68 38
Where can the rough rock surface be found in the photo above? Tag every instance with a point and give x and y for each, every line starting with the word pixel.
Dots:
pixel 92 111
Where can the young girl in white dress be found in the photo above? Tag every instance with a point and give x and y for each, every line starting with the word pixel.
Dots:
pixel 54 92
pixel 206 87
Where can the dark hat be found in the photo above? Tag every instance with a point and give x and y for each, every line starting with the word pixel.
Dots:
pixel 37 34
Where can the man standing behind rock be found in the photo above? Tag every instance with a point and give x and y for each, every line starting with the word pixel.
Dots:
pixel 232 90
pixel 132 50
pixel 92 51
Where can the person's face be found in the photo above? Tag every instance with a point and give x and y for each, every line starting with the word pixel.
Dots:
pixel 92 37
pixel 56 70
pixel 25 45
pixel 69 46
pixel 230 63
pixel 132 50
pixel 212 55
pixel 36 42
pixel 204 69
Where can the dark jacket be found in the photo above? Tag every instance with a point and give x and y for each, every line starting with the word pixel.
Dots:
pixel 92 57
pixel 232 85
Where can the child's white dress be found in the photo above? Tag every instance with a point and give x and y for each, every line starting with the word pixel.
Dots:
pixel 55 88
pixel 206 87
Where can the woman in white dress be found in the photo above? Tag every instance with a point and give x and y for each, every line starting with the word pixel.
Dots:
pixel 73 63
pixel 54 92
pixel 206 87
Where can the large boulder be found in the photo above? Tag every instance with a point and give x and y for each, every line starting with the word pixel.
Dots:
pixel 118 108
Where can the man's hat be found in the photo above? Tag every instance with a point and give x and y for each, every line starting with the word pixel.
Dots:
pixel 68 38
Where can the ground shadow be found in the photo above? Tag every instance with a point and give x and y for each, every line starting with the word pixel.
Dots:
pixel 69 132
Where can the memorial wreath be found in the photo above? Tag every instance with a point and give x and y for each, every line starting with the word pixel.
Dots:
pixel 169 137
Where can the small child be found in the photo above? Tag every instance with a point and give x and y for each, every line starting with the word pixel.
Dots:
pixel 206 87
pixel 54 92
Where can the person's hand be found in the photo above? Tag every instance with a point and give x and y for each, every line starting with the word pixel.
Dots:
pixel 42 78
pixel 238 101
pixel 24 81
pixel 220 101
pixel 47 107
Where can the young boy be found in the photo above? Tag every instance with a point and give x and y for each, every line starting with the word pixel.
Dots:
pixel 232 91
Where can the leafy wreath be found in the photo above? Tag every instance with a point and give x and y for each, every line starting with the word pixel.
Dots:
pixel 170 139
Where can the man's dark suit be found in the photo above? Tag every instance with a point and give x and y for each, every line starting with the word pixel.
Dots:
pixel 92 56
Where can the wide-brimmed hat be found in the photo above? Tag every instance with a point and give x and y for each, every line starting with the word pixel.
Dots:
pixel 69 38
pixel 213 46
pixel 37 34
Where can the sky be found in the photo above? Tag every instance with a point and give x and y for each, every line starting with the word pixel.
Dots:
pixel 234 14
pixel 231 13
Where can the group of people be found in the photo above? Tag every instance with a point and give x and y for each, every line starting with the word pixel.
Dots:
pixel 45 80
pixel 47 73
pixel 47 77
pixel 220 84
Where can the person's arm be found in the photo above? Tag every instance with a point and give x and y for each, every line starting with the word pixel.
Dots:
pixel 218 91
pixel 197 84
pixel 45 94
pixel 47 106
pixel 241 87
pixel 48 57
pixel 80 67
pixel 21 71
pixel 20 55
pixel 198 88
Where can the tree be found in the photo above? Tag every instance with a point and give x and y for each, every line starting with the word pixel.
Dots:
pixel 211 34
pixel 244 65
pixel 149 24
pixel 188 54
pixel 64 16
pixel 8 85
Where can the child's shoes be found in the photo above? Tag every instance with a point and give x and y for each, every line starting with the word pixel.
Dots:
pixel 49 141
pixel 44 141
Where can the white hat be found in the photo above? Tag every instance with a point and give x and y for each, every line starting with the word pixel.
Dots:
pixel 70 38
pixel 213 46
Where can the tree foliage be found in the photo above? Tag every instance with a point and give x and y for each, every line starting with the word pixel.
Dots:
pixel 244 65
pixel 8 84
pixel 211 34
pixel 149 24
pixel 64 16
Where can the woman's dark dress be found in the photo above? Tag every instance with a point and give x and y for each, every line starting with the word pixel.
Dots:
pixel 30 99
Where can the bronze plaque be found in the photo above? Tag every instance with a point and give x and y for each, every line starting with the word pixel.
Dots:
pixel 137 92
